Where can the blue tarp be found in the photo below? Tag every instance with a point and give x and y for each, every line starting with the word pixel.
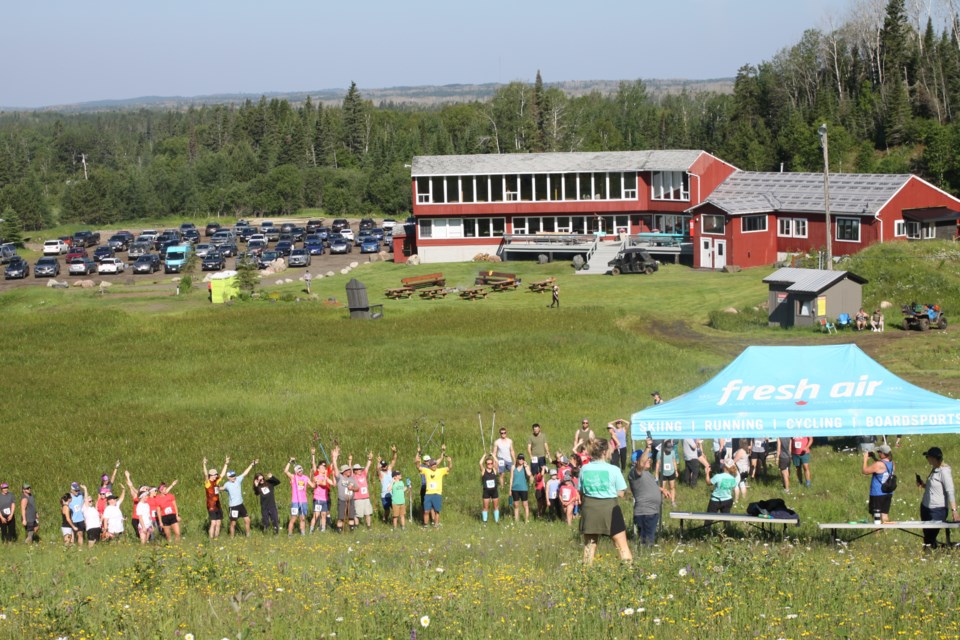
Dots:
pixel 800 391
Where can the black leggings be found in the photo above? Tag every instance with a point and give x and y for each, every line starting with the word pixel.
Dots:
pixel 719 506
pixel 270 517
pixel 691 472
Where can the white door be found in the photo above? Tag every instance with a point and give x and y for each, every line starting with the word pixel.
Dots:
pixel 713 253
pixel 719 254
pixel 706 253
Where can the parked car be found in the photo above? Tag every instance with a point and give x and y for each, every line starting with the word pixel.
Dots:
pixel 314 245
pixel 187 226
pixel 149 235
pixel 7 252
pixel 313 225
pixel 118 243
pixel 86 238
pixel 17 268
pixel 77 252
pixel 247 257
pixel 347 234
pixel 389 223
pixel 222 237
pixel 213 261
pixel 363 235
pixel 272 233
pixel 244 233
pixel 111 265
pixel 256 246
pixel 366 223
pixel 377 233
pixel 228 249
pixel 192 236
pixel 340 224
pixel 324 233
pixel 284 247
pixel 286 237
pixel 175 258
pixel 138 249
pixel 211 228
pixel 147 263
pixel 46 267
pixel 286 227
pixel 103 252
pixel 340 245
pixel 55 248
pixel 257 237
pixel 299 258
pixel 266 258
pixel 81 266
pixel 370 245
pixel 298 233
pixel 203 249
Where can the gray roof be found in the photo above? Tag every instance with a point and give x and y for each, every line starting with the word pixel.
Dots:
pixel 747 192
pixel 515 163
pixel 809 280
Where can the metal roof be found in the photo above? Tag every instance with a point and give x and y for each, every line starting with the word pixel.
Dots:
pixel 810 280
pixel 747 192
pixel 515 163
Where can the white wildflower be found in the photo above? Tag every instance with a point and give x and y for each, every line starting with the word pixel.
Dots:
pixel 425 621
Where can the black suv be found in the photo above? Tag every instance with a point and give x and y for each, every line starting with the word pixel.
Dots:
pixel 367 223
pixel 339 224
pixel 211 228
pixel 313 225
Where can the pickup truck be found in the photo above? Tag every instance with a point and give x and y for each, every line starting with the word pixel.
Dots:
pixel 175 258
pixel 86 238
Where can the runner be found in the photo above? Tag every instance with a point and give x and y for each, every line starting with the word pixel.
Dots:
pixel 488 488
pixel 879 470
pixel 583 436
pixel 741 458
pixel 28 513
pixel 386 483
pixel 666 471
pixel 362 506
pixel 540 491
pixel 145 528
pixel 211 485
pixel 113 516
pixel 398 500
pixel 322 482
pixel 758 457
pixel 520 477
pixel 569 499
pixel 8 514
pixel 783 462
pixel 67 528
pixel 76 511
pixel 800 450
pixel 91 519
pixel 169 515
pixel 265 487
pixel 298 496
pixel 538 449
pixel 234 490
pixel 618 430
pixel 346 489
pixel 433 498
pixel 503 450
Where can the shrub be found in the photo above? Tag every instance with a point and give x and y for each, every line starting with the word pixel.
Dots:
pixel 745 319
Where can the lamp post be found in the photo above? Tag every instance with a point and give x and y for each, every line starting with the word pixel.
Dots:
pixel 822 131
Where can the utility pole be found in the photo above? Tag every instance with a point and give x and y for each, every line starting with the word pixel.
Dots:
pixel 822 131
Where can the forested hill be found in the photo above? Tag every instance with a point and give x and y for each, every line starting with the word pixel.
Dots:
pixel 887 86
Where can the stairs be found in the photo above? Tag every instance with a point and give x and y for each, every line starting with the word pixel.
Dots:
pixel 599 259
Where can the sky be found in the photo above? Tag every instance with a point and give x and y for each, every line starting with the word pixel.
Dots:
pixel 63 52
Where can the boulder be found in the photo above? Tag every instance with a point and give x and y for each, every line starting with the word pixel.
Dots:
pixel 731 310
pixel 494 259
pixel 731 268
pixel 288 281
pixel 105 285
pixel 384 255
pixel 86 284
pixel 354 265
pixel 543 258
pixel 52 283
pixel 329 274
pixel 344 271
pixel 175 280
pixel 280 281
pixel 76 283
pixel 413 260
pixel 578 263
pixel 886 304
pixel 373 257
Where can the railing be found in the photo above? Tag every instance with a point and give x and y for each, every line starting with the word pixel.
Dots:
pixel 658 239
pixel 548 238
pixel 591 251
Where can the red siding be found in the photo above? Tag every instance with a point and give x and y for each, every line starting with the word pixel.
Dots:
pixel 708 172
pixel 915 194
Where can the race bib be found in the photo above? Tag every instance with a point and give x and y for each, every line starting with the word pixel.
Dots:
pixel 77 509
pixel 431 486
pixel 797 445
pixel 491 484
pixel 6 511
pixel 264 490
pixel 234 513
pixel 168 511
pixel 216 490
pixel 294 511
pixel 363 492
pixel 668 468
pixel 317 507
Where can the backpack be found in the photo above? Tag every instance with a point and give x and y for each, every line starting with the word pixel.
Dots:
pixel 890 484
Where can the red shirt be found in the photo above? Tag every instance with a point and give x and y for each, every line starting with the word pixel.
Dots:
pixel 799 446
pixel 166 504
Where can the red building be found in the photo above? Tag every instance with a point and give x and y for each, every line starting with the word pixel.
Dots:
pixel 466 205
pixel 754 219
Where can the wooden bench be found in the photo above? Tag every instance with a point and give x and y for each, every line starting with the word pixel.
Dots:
pixel 399 293
pixel 421 282
pixel 433 293
pixel 906 526
pixel 474 293
pixel 492 277
pixel 542 285
pixel 710 519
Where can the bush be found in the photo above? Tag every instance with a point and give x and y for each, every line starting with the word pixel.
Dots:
pixel 744 320
pixel 186 283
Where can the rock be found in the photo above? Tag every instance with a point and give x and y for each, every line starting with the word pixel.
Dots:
pixel 543 258
pixel 175 280
pixel 354 265
pixel 494 259
pixel 578 263
pixel 76 283
pixel 344 271
pixel 51 283
pixel 886 304
pixel 413 260
pixel 373 257
pixel 288 281
pixel 731 268
pixel 319 276
pixel 86 284
pixel 730 310
pixel 330 274
pixel 105 285
pixel 280 281
pixel 384 255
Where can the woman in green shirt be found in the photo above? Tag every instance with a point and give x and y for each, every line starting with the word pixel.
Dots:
pixel 601 487
pixel 721 498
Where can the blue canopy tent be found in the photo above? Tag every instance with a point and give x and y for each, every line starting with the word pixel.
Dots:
pixel 800 391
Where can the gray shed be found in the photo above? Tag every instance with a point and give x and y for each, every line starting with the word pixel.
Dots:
pixel 801 297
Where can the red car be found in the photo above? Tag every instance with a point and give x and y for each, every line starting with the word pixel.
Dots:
pixel 77 252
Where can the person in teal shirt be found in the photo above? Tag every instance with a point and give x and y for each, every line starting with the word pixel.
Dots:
pixel 601 487
pixel 520 477
pixel 721 498
pixel 398 500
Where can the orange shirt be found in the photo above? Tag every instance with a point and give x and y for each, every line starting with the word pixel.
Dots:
pixel 213 494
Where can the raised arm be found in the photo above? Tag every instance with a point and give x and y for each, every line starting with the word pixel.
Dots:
pixel 449 460
pixel 334 455
pixel 369 462
pixel 204 476
pixel 393 458
pixel 133 491
pixel 250 466
pixel 313 460
pixel 113 476
pixel 123 494
pixel 223 472
pixel 286 469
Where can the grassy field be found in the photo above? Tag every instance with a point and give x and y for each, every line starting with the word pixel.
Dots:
pixel 162 381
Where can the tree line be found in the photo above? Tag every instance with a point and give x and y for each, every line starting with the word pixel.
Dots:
pixel 886 82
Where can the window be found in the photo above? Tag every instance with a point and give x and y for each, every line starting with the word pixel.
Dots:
pixel 483 227
pixel 512 189
pixel 426 228
pixel 520 226
pixel 600 186
pixel 912 230
pixel 569 186
pixel 899 229
pixel 437 228
pixel 929 231
pixel 800 228
pixel 792 227
pixel 466 186
pixel 436 189
pixel 629 186
pixel 715 225
pixel 804 308
pixel 616 186
pixel 586 186
pixel 526 188
pixel 496 188
pixel 483 189
pixel 423 190
pixel 453 189
pixel 753 224
pixel 670 185
pixel 848 230
pixel 541 192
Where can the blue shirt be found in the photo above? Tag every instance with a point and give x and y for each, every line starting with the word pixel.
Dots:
pixel 877 480
pixel 234 490
pixel 520 479
pixel 76 508
pixel 600 479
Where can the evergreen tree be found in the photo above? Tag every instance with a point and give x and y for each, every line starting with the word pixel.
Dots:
pixel 355 122
pixel 11 230
pixel 540 109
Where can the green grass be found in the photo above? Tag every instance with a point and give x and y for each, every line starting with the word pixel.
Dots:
pixel 162 381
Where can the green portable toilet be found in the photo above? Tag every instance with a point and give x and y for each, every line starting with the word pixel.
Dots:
pixel 223 287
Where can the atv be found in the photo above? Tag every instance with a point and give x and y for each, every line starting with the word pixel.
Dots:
pixel 923 316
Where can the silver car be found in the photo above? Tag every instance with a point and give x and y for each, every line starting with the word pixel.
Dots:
pixel 299 258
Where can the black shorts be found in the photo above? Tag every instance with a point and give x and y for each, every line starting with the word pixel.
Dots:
pixel 880 503
pixel 762 455
pixel 81 526
pixel 672 476
pixel 93 534
pixel 237 512
pixel 783 463
pixel 719 506
pixel 215 515
pixel 520 496
pixel 31 526
pixel 491 494
pixel 169 520
pixel 617 524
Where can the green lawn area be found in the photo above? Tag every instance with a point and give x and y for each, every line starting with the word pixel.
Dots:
pixel 162 381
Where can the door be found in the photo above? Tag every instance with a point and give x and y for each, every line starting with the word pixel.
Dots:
pixel 713 253
pixel 719 254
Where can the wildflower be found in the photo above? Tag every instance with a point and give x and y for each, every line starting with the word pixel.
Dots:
pixel 279 589
pixel 656 621
pixel 188 636
pixel 3 616
pixel 683 572
pixel 340 619
pixel 629 611
pixel 640 609
pixel 652 576
pixel 425 621
pixel 439 569
pixel 791 616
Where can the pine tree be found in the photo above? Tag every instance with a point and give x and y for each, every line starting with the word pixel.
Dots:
pixel 355 122
pixel 540 109
pixel 11 231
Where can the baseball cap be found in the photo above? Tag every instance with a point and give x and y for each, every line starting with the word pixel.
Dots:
pixel 384 464
pixel 345 467
pixel 111 497
pixel 4 485
pixel 433 461
pixel 298 468
pixel 396 472
pixel 933 452
pixel 75 486
pixel 884 448
pixel 426 458
pixel 553 472
pixel 521 457
pixel 26 485
pixel 231 474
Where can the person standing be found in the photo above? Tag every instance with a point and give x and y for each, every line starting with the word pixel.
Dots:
pixel 938 492
pixel 113 516
pixel 657 399
pixel 553 501
pixel 538 449
pixel 879 471
pixel 298 496
pixel 91 519
pixel 647 497
pixel 67 529
pixel 618 431
pixel 386 483
pixel 398 499
pixel 346 489
pixel 28 513
pixel 556 296
pixel 211 486
pixel 758 457
pixel 666 470
pixel 569 499
pixel 783 462
pixel 800 450
pixel 692 454
pixel 601 486
pixel 488 488
pixel 520 477
pixel 361 501
pixel 307 280
pixel 76 512
pixel 583 436
pixel 266 488
pixel 234 489
pixel 503 450
pixel 433 498
pixel 723 484
pixel 145 519
pixel 321 483
pixel 168 515
pixel 8 513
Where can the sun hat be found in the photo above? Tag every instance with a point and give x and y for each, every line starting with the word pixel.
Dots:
pixel 212 472
pixel 298 468
pixel 357 467
pixel 933 452
pixel 426 458
pixel 345 467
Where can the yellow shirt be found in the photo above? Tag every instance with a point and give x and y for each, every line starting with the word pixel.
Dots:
pixel 434 478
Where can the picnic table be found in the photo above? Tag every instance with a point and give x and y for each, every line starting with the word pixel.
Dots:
pixel 503 285
pixel 474 293
pixel 432 293
pixel 710 519
pixel 399 293
pixel 542 285
pixel 907 526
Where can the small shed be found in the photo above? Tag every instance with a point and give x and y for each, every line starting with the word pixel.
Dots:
pixel 801 297
pixel 223 287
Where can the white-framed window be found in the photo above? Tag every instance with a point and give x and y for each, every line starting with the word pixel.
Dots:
pixel 670 185
pixel 423 190
pixel 483 227
pixel 900 229
pixel 713 224
pixel 792 227
pixel 441 228
pixel 753 224
pixel 629 186
pixel 848 230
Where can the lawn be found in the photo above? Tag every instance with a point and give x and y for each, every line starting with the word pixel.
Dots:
pixel 161 381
